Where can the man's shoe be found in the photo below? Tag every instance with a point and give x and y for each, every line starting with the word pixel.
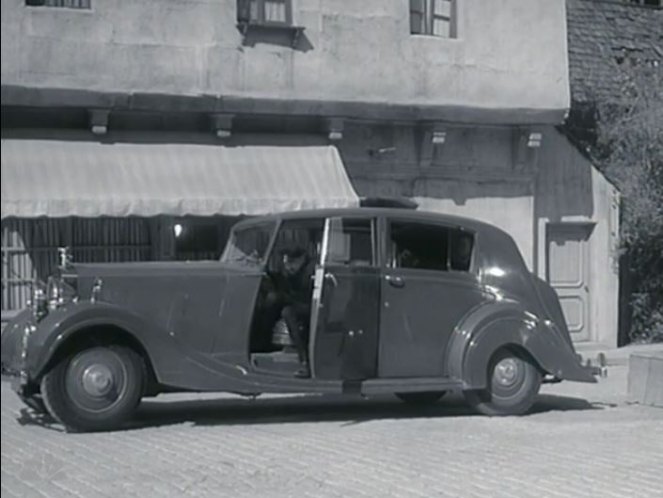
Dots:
pixel 304 372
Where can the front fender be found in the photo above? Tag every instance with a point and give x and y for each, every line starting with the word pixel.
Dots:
pixel 61 324
pixel 503 324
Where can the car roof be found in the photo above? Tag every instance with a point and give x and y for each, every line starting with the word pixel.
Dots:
pixel 499 248
pixel 408 214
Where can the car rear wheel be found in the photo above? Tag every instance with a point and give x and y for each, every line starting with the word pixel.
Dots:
pixel 421 398
pixel 95 389
pixel 513 384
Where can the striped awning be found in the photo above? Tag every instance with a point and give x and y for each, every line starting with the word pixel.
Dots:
pixel 58 178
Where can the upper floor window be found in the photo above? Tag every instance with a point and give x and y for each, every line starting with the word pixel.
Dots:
pixel 433 17
pixel 70 4
pixel 264 11
pixel 651 3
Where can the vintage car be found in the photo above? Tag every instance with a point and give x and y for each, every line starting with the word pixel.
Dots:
pixel 401 301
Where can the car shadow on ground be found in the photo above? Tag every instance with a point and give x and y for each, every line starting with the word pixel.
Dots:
pixel 328 408
pixel 292 409
pixel 153 413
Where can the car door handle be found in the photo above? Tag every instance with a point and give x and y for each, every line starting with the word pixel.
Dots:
pixel 331 278
pixel 395 281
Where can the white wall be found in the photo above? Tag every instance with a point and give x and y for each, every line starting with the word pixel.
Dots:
pixel 509 54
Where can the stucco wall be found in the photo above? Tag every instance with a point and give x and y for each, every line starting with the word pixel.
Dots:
pixel 508 53
pixel 570 189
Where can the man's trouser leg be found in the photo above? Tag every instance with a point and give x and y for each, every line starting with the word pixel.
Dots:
pixel 291 318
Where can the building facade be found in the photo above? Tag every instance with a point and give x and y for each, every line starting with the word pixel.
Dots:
pixel 452 103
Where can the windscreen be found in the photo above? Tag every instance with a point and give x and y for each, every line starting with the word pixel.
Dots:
pixel 249 244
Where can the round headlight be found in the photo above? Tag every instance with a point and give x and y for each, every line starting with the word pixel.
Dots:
pixel 54 291
pixel 39 301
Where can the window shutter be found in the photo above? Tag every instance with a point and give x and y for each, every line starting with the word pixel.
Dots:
pixel 243 10
pixel 417 16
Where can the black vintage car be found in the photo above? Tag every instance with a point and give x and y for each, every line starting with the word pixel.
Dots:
pixel 401 302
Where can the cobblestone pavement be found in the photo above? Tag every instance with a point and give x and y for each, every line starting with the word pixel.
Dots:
pixel 581 440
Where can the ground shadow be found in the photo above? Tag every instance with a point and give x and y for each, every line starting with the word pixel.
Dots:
pixel 295 409
pixel 328 408
pixel 301 409
pixel 284 36
pixel 30 416
pixel 551 402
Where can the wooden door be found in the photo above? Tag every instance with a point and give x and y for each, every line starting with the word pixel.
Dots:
pixel 567 270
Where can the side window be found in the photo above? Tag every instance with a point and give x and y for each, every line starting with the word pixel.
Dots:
pixel 351 242
pixel 430 247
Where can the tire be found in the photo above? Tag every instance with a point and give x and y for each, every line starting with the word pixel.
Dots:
pixel 421 398
pixel 512 385
pixel 95 389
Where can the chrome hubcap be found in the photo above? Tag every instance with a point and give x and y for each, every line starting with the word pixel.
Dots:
pixel 97 380
pixel 506 372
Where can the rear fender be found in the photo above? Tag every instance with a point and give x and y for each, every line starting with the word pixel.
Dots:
pixel 507 324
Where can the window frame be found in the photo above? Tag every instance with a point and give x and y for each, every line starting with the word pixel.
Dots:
pixel 261 20
pixel 269 254
pixel 45 5
pixel 375 246
pixel 224 257
pixel 428 17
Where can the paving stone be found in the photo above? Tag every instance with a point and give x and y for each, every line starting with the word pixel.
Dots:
pixel 581 441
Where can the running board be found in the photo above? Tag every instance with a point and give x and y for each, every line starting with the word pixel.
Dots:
pixel 409 385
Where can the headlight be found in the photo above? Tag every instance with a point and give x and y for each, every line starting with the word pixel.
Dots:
pixel 39 301
pixel 50 296
pixel 54 291
pixel 60 292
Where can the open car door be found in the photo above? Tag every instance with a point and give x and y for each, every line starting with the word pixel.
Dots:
pixel 345 313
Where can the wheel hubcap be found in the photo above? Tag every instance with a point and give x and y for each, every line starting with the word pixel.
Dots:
pixel 97 380
pixel 507 372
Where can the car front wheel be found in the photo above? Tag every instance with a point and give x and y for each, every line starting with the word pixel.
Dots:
pixel 95 389
pixel 512 385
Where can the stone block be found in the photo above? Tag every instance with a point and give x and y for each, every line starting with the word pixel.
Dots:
pixel 645 378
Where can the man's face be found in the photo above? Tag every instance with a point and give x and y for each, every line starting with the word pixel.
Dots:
pixel 292 264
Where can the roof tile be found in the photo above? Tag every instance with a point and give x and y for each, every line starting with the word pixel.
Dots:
pixel 602 33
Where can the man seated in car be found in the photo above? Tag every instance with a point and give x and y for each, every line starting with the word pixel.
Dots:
pixel 294 289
